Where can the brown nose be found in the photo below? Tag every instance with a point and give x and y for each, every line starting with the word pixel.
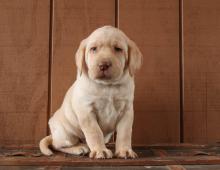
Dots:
pixel 104 66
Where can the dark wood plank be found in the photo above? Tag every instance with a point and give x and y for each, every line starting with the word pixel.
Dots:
pixel 73 21
pixel 31 168
pixel 154 26
pixel 84 168
pixel 24 32
pixel 182 154
pixel 171 167
pixel 201 71
pixel 176 167
pixel 202 167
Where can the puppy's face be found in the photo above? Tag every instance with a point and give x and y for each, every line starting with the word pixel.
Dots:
pixel 105 55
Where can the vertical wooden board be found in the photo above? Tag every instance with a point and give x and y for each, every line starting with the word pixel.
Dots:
pixel 154 26
pixel 23 70
pixel 73 21
pixel 201 70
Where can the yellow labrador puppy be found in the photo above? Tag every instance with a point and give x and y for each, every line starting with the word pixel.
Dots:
pixel 100 101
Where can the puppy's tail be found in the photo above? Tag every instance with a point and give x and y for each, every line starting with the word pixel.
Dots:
pixel 44 145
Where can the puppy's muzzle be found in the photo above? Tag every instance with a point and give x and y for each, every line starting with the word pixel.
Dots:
pixel 104 66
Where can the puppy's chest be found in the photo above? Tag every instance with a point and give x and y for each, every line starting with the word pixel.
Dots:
pixel 108 110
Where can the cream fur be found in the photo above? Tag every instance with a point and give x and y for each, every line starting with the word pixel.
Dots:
pixel 93 109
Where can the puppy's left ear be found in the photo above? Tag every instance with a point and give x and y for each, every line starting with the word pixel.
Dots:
pixel 80 57
pixel 134 57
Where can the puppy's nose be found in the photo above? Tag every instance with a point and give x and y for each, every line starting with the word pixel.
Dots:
pixel 104 66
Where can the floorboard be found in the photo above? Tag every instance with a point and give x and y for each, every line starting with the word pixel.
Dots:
pixel 174 157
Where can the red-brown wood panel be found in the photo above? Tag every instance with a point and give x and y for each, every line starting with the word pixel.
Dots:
pixel 24 32
pixel 74 20
pixel 154 26
pixel 201 70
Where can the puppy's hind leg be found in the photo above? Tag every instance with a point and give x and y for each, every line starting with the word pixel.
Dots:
pixel 70 146
pixel 66 142
pixel 78 149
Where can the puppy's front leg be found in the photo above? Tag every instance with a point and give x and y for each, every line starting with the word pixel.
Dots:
pixel 124 132
pixel 94 137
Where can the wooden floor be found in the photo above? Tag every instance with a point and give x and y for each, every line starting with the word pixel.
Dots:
pixel 155 157
pixel 169 167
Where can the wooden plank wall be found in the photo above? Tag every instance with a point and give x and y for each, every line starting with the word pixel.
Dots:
pixel 156 31
pixel 201 27
pixel 24 33
pixel 31 87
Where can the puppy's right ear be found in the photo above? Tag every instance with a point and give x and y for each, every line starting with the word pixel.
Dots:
pixel 80 57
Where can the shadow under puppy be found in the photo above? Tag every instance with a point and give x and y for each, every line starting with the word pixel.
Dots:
pixel 100 101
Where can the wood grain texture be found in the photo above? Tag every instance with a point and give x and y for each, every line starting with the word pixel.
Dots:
pixel 154 26
pixel 23 70
pixel 177 154
pixel 202 70
pixel 73 21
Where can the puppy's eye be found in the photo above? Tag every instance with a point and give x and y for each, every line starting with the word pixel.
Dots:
pixel 117 49
pixel 93 49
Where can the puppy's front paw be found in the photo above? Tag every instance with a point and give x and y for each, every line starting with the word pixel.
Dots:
pixel 126 153
pixel 101 154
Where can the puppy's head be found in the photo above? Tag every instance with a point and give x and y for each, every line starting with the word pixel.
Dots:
pixel 107 54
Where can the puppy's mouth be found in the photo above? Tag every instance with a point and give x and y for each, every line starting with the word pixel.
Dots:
pixel 103 76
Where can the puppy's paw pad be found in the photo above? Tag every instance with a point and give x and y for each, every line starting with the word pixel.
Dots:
pixel 101 154
pixel 126 153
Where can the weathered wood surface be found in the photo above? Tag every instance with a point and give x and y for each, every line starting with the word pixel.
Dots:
pixel 148 155
pixel 169 167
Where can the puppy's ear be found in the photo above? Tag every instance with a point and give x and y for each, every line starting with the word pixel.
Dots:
pixel 80 57
pixel 134 57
